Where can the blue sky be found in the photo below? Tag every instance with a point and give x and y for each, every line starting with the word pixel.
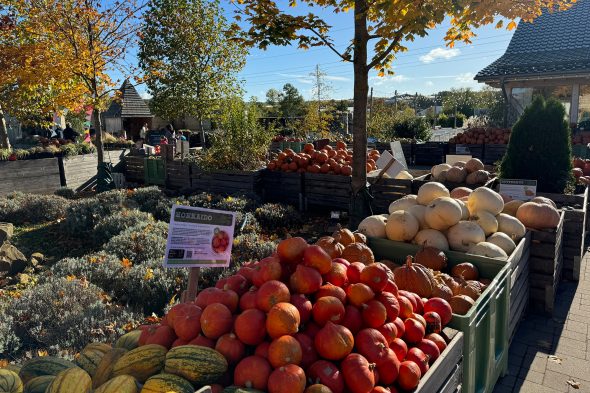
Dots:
pixel 428 66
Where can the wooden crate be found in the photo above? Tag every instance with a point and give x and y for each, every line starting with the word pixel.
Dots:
pixel 226 182
pixel 493 153
pixel 324 190
pixel 80 171
pixel 545 266
pixel 385 191
pixel 134 169
pixel 429 153
pixel 178 175
pixel 39 176
pixel 446 373
pixel 476 150
pixel 285 187
pixel 519 284
pixel 574 230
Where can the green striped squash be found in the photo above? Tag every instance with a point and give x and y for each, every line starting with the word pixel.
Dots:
pixel 105 367
pixel 200 365
pixel 46 365
pixel 239 389
pixel 142 362
pixel 10 382
pixel 167 383
pixel 13 367
pixel 91 356
pixel 72 380
pixel 129 340
pixel 39 384
pixel 120 384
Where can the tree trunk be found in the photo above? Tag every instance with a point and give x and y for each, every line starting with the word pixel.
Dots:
pixel 4 141
pixel 98 124
pixel 361 90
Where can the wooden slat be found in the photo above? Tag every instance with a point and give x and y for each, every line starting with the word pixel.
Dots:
pixel 39 176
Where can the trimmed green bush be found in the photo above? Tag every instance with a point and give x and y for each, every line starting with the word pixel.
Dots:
pixel 540 147
pixel 112 225
pixel 251 247
pixel 19 208
pixel 82 215
pixel 140 243
pixel 273 216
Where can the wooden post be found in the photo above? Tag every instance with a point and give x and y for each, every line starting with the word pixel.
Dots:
pixel 190 293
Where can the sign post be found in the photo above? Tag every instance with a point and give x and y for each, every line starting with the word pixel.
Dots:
pixel 198 238
pixel 398 153
pixel 390 165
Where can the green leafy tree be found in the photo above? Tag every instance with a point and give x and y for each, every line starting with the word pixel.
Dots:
pixel 188 61
pixel 540 147
pixel 273 99
pixel 389 24
pixel 291 102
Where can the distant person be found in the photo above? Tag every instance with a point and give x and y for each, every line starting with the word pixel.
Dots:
pixel 92 133
pixel 163 140
pixel 170 134
pixel 143 132
pixel 69 133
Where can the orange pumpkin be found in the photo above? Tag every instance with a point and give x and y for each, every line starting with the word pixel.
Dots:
pixel 305 280
pixel 374 313
pixel 331 290
pixel 371 344
pixel 315 256
pixel 291 250
pixel 267 269
pixel 271 293
pixel 284 350
pixel 250 326
pixel 309 354
pixel 359 294
pixel 415 278
pixel 282 319
pixel 330 246
pixel 231 348
pixel 353 319
pixel 248 300
pixel 328 308
pixel 287 379
pixel 303 305
pixel 216 320
pixel 333 341
pixel 326 373
pixel 375 276
pixel 253 373
pixel 358 373
pixel 358 252
pixel 337 275
pixel 262 349
pixel 344 236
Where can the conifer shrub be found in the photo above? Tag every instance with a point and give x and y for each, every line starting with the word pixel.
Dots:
pixel 112 225
pixel 540 147
pixel 140 243
pixel 82 215
pixel 273 216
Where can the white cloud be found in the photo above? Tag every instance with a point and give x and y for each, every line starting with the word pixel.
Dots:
pixel 466 78
pixel 337 78
pixel 429 83
pixel 388 79
pixel 439 53
pixel 305 81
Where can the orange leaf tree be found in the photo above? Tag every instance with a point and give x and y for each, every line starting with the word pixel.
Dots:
pixel 389 24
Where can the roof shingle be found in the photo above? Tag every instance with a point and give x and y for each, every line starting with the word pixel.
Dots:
pixel 556 43
pixel 130 104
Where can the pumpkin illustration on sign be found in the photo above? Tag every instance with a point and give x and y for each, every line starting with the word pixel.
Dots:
pixel 220 241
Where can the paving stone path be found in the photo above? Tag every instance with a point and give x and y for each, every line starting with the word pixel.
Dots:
pixel 552 354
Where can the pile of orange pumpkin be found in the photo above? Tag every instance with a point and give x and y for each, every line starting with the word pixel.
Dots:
pixel 328 160
pixel 581 170
pixel 480 135
pixel 313 318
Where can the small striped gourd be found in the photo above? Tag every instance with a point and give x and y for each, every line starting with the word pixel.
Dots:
pixel 91 356
pixel 141 363
pixel 120 384
pixel 72 380
pixel 10 382
pixel 200 365
pixel 13 367
pixel 105 367
pixel 39 384
pixel 129 340
pixel 239 389
pixel 167 383
pixel 46 365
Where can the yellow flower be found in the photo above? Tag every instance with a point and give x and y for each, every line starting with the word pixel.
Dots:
pixel 41 352
pixel 149 274
pixel 70 277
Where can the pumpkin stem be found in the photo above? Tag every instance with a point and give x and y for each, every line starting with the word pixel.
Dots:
pixel 409 260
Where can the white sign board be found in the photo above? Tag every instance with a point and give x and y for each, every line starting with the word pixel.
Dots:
pixel 453 158
pixel 199 237
pixel 398 153
pixel 395 168
pixel 522 190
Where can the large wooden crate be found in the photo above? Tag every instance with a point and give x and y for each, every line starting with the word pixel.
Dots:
pixel 493 153
pixel 135 169
pixel 178 175
pixel 429 153
pixel 80 171
pixel 545 266
pixel 574 230
pixel 40 176
pixel 519 283
pixel 226 182
pixel 285 187
pixel 385 191
pixel 446 373
pixel 324 190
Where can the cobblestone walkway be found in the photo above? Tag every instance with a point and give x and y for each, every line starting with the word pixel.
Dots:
pixel 553 354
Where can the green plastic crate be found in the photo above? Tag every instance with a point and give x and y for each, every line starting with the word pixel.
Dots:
pixel 155 172
pixel 485 326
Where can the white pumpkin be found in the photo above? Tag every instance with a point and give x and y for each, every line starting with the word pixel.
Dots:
pixel 437 169
pixel 430 191
pixel 401 226
pixel 442 213
pixel 464 209
pixel 489 250
pixel 373 226
pixel 511 226
pixel 464 235
pixel 503 241
pixel 403 203
pixel 483 198
pixel 486 221
pixel 418 212
pixel 431 238
pixel 404 175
